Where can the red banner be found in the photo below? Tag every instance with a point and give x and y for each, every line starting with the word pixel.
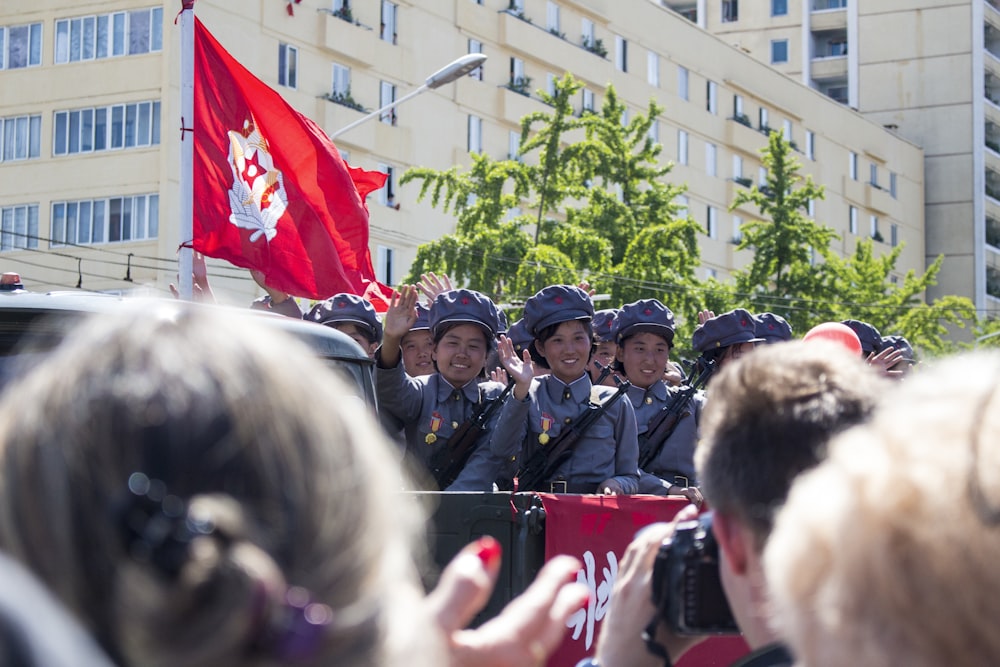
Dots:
pixel 597 529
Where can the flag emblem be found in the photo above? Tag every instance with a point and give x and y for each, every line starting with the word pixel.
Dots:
pixel 257 198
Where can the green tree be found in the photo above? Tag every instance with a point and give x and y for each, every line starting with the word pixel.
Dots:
pixel 600 209
pixel 785 241
pixel 796 274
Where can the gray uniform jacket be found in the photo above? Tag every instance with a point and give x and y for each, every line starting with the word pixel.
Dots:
pixel 430 409
pixel 608 449
pixel 677 455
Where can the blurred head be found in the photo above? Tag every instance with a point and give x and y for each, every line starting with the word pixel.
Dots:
pixel 175 482
pixel 727 337
pixel 769 418
pixel 886 552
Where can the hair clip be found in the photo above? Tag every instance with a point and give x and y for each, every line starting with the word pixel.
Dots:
pixel 295 631
pixel 156 526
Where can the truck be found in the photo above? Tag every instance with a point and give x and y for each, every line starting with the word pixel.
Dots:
pixel 531 527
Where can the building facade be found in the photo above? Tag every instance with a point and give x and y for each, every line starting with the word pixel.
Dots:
pixel 928 70
pixel 92 128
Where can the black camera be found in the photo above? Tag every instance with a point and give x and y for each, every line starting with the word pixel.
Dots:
pixel 687 589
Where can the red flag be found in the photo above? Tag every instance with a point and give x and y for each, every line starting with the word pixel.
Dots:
pixel 271 191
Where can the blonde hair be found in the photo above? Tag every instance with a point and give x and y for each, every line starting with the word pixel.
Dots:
pixel 887 552
pixel 245 427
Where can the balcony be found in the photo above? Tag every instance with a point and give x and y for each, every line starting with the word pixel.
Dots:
pixel 828 20
pixel 824 5
pixel 835 88
pixel 685 8
pixel 991 39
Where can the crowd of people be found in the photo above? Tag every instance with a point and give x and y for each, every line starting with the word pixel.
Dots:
pixel 179 495
pixel 567 399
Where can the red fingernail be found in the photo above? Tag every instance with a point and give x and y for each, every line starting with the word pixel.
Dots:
pixel 488 551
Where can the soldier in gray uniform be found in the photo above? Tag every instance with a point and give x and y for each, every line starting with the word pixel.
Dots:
pixel 726 337
pixel 605 458
pixel 605 346
pixel 432 407
pixel 644 332
pixel 418 345
pixel 352 315
pixel 772 328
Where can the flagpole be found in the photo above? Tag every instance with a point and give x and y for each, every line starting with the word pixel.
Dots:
pixel 186 233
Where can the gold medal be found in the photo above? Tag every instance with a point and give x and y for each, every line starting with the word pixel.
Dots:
pixel 543 438
pixel 430 438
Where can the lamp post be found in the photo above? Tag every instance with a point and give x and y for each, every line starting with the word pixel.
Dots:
pixel 986 337
pixel 450 72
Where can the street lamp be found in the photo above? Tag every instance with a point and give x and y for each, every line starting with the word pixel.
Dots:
pixel 450 72
pixel 986 337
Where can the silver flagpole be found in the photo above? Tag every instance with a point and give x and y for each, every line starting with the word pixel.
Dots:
pixel 186 232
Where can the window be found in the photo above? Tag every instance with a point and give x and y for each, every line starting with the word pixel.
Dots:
pixel 682 206
pixel 838 47
pixel 761 176
pixel 517 79
pixel 737 167
pixel 811 208
pixel 21 46
pixel 475 46
pixel 682 82
pixel 737 106
pixel 653 69
pixel 873 175
pixel 387 195
pixel 711 97
pixel 475 140
pixel 810 145
pixel 712 223
pixel 143 36
pixel 737 229
pixel 786 130
pixel 762 121
pixel 852 164
pixel 711 159
pixel 288 65
pixel 516 6
pixel 852 220
pixel 711 273
pixel 550 84
pixel 341 81
pixel 587 36
pixel 730 11
pixel 388 29
pixel 892 184
pixel 552 17
pixel 588 100
pixel 514 146
pixel 387 95
pixel 682 147
pixel 384 268
pixel 894 234
pixel 779 51
pixel 111 220
pixel 20 137
pixel 621 53
pixel 624 118
pixel 19 227
pixel 779 7
pixel 875 233
pixel 654 131
pixel 102 128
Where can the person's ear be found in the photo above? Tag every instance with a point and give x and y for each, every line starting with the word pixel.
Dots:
pixel 538 348
pixel 735 540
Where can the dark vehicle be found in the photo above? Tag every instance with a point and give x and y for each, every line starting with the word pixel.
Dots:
pixel 32 324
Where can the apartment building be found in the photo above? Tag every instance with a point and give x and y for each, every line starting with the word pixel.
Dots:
pixel 928 70
pixel 92 129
